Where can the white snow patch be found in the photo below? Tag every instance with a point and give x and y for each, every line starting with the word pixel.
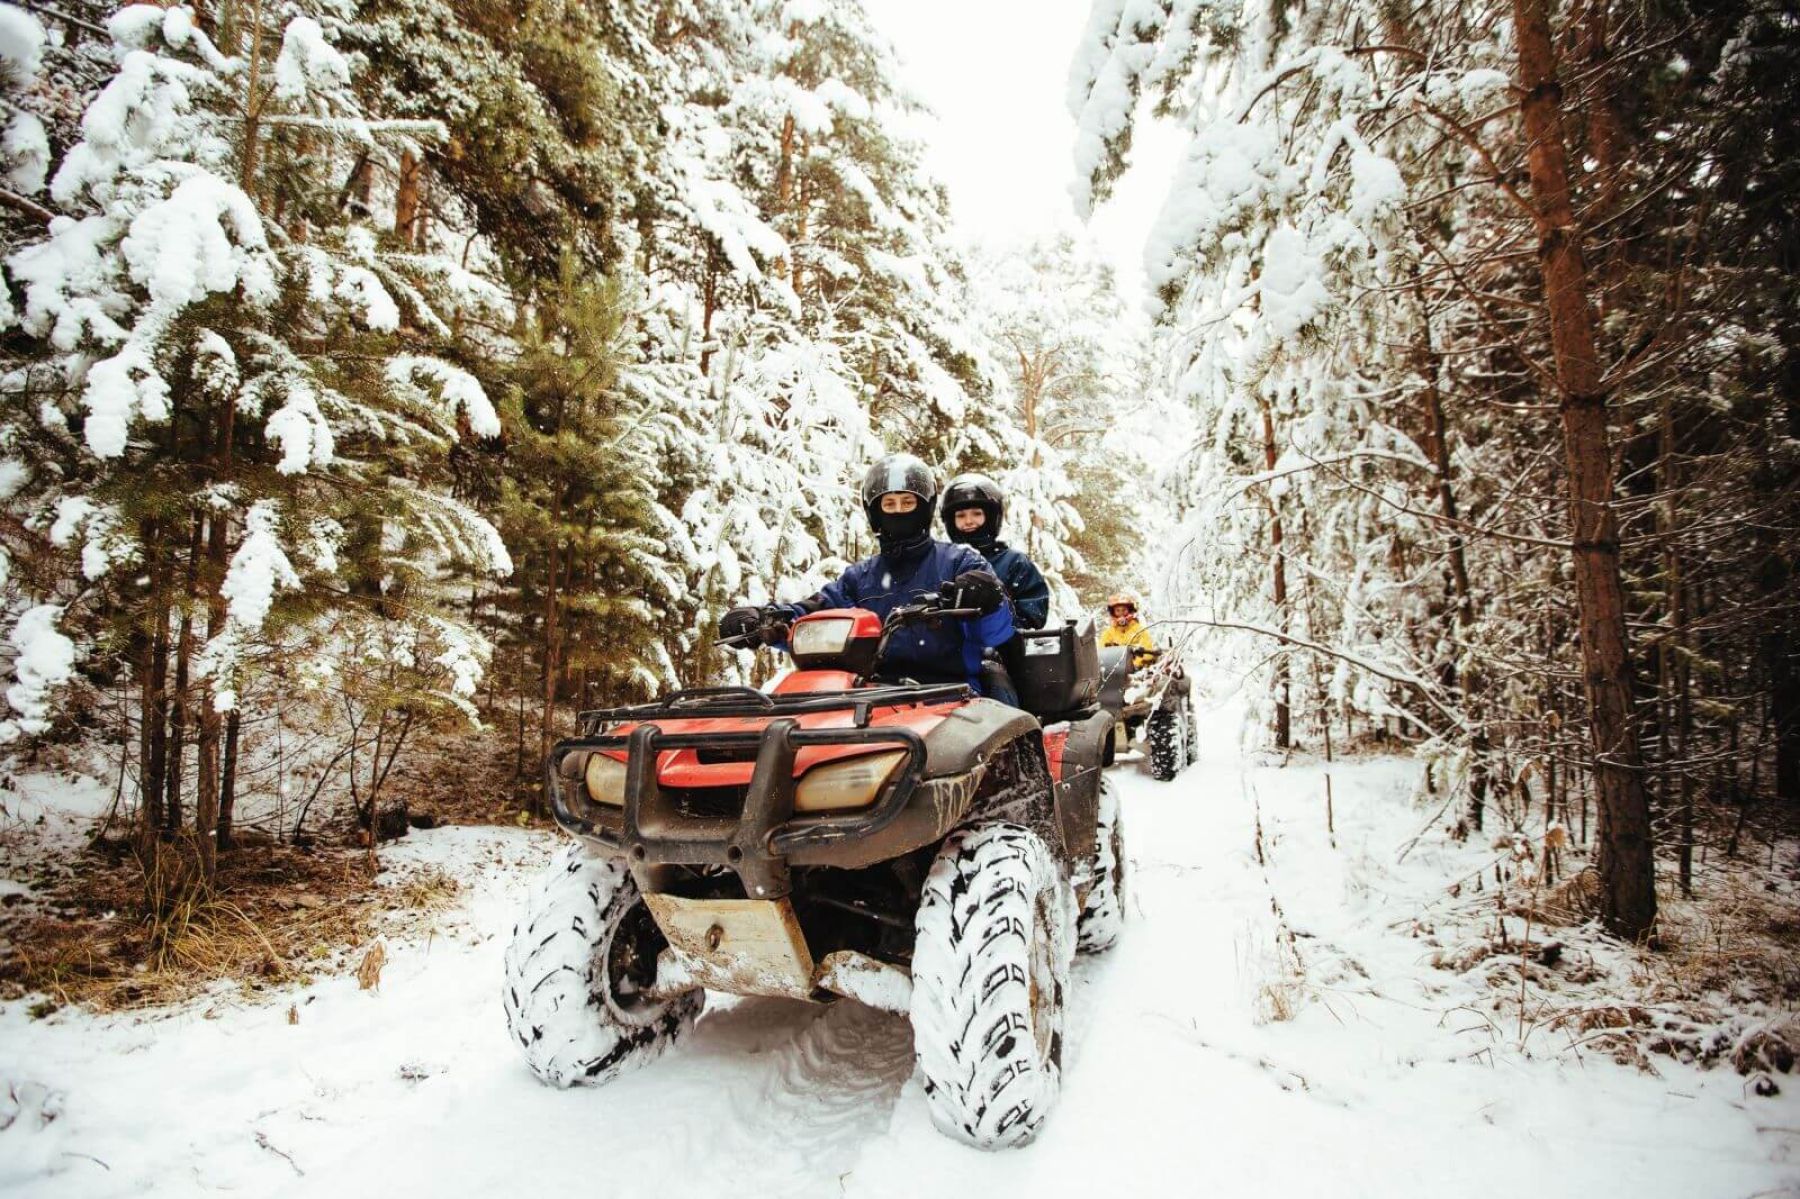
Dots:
pixel 45 660
pixel 21 47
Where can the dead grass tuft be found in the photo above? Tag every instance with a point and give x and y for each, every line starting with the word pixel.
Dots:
pixel 127 930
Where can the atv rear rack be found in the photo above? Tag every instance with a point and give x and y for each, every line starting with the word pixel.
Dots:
pixel 712 703
pixel 652 831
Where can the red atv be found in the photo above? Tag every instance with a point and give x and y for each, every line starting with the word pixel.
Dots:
pixel 912 846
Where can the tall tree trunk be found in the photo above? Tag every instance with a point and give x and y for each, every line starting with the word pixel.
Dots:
pixel 1438 439
pixel 1781 642
pixel 180 701
pixel 406 199
pixel 1283 718
pixel 1625 858
pixel 177 730
pixel 710 308
pixel 228 778
pixel 155 717
pixel 552 634
pixel 207 797
pixel 797 275
pixel 250 158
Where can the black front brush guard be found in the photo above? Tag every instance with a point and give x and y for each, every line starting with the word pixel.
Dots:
pixel 716 703
pixel 757 844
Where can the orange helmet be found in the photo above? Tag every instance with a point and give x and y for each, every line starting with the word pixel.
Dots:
pixel 1121 599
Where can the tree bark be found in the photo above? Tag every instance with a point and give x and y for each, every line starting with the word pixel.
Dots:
pixel 155 716
pixel 1283 715
pixel 206 789
pixel 552 636
pixel 228 778
pixel 1438 439
pixel 406 200
pixel 1625 854
pixel 177 730
pixel 710 308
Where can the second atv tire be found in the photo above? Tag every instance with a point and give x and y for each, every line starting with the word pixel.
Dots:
pixel 1167 734
pixel 581 956
pixel 1103 911
pixel 990 972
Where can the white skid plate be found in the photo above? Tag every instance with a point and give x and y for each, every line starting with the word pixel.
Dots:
pixel 741 946
pixel 755 947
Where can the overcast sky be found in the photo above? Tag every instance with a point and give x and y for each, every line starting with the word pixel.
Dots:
pixel 995 72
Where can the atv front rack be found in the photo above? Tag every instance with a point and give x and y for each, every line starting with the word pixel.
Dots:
pixel 650 830
pixel 718 702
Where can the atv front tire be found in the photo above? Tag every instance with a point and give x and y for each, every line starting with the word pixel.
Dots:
pixel 1168 733
pixel 581 955
pixel 1103 911
pixel 990 970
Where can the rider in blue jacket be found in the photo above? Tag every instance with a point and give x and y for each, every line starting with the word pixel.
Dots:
pixel 974 507
pixel 897 497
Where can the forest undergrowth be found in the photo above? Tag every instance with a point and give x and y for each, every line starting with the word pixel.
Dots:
pixel 1509 945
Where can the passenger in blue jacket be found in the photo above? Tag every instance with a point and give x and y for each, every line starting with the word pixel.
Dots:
pixel 898 495
pixel 974 507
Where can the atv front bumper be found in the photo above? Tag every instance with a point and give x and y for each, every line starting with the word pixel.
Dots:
pixel 653 831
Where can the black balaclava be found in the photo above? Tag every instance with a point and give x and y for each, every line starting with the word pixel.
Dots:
pixel 903 535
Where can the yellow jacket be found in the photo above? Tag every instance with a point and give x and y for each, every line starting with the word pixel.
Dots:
pixel 1134 635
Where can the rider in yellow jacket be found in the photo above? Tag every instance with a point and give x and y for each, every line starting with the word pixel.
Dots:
pixel 1124 628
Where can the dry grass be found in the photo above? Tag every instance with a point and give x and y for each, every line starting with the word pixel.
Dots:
pixel 125 932
pixel 1270 965
pixel 1716 985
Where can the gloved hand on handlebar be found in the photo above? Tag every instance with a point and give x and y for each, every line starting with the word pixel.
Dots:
pixel 976 589
pixel 740 622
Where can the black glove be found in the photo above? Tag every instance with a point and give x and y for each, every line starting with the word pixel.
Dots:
pixel 740 621
pixel 977 589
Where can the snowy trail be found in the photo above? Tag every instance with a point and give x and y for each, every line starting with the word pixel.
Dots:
pixel 1176 1081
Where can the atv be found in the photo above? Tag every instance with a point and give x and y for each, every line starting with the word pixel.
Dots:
pixel 842 834
pixel 1143 690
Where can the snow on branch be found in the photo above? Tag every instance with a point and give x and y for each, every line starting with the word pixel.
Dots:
pixel 45 661
pixel 457 390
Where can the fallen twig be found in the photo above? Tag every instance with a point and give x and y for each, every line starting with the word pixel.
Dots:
pixel 263 1140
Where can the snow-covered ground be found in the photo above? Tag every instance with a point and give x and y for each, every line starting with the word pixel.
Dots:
pixel 1264 1027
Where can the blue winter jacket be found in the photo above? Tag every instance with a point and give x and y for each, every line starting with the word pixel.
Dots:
pixel 931 652
pixel 1024 583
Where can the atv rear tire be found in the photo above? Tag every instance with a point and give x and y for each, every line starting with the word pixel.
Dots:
pixel 1168 733
pixel 990 971
pixel 1103 912
pixel 580 955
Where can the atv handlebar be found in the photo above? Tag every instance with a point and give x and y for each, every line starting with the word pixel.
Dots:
pixel 776 629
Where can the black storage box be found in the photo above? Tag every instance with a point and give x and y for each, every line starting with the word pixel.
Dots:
pixel 1056 670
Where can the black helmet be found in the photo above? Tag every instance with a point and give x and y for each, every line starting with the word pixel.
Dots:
pixel 974 491
pixel 897 472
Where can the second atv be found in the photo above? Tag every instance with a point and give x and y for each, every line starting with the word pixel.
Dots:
pixel 915 847
pixel 1144 690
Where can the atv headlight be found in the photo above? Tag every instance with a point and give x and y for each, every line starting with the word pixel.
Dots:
pixel 605 778
pixel 827 637
pixel 851 783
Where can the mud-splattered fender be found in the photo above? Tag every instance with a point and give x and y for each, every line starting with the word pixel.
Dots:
pixel 969 736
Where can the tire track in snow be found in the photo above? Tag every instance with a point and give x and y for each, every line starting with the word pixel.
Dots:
pixel 824 1092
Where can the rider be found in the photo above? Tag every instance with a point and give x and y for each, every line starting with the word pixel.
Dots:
pixel 897 494
pixel 973 509
pixel 1125 629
